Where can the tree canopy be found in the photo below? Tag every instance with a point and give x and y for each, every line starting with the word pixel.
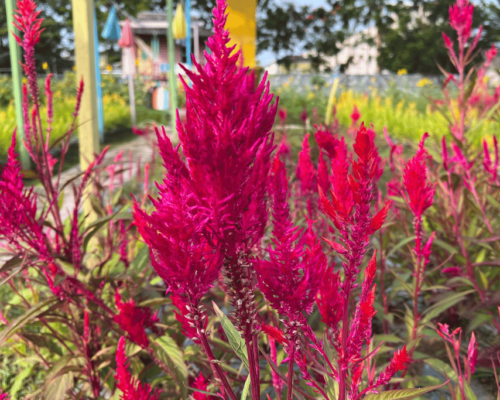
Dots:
pixel 409 32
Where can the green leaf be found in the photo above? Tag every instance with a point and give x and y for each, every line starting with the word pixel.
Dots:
pixel 117 195
pixel 479 320
pixel 158 301
pixel 171 355
pixel 13 262
pixel 18 382
pixel 57 388
pixel 174 353
pixel 450 300
pixel 387 338
pixel 445 246
pixel 28 316
pixel 402 394
pixel 141 259
pixel 442 367
pixel 246 389
pixel 43 341
pixel 234 337
pixel 400 244
pixel 95 227
pixel 12 274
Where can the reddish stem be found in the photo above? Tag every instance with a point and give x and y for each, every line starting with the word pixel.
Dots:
pixel 289 395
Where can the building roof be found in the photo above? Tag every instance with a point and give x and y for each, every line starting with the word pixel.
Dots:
pixel 155 23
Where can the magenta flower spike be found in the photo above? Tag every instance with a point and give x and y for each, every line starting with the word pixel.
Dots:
pixel 350 211
pixel 134 320
pixel 18 210
pixel 4 396
pixel 131 388
pixel 461 19
pixel 292 276
pixel 306 174
pixel 419 191
pixel 27 21
pixel 292 271
pixel 218 210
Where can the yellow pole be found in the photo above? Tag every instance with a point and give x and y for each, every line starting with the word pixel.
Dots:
pixel 242 26
pixel 88 132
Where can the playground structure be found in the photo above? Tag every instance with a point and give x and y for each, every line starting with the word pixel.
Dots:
pixel 153 40
pixel 150 55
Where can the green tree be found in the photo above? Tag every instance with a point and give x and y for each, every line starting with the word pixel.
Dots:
pixel 411 37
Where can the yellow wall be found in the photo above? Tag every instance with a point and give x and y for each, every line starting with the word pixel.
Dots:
pixel 242 26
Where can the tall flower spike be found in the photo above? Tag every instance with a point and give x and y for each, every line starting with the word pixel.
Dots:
pixel 27 21
pixel 291 271
pixel 491 167
pixel 306 175
pixel 134 320
pixel 349 193
pixel 131 388
pixel 419 191
pixel 330 301
pixel 4 396
pixel 399 362
pixel 355 115
pixel 18 209
pixel 201 384
pixel 227 142
pixel 471 356
pixel 461 19
pixel 180 251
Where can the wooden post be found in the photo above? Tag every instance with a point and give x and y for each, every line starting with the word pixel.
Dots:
pixel 15 58
pixel 196 34
pixel 88 137
pixel 131 95
pixel 171 61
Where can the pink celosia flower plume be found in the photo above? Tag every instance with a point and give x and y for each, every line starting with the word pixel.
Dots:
pixel 131 388
pixel 355 115
pixel 27 21
pixel 212 206
pixel 491 167
pixel 18 210
pixel 291 277
pixel 306 185
pixel 134 320
pixel 471 356
pixel 419 191
pixel 461 19
pixel 176 232
pixel 352 196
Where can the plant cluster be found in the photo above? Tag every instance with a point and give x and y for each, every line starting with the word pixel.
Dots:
pixel 245 274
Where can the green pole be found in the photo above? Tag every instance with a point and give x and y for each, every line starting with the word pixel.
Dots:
pixel 15 58
pixel 171 61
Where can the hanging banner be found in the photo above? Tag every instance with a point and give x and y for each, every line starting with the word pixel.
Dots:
pixel 111 29
pixel 241 23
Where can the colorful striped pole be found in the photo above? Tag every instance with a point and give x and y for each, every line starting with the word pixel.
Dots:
pixel 171 61
pixel 100 111
pixel 15 58
pixel 188 34
pixel 88 132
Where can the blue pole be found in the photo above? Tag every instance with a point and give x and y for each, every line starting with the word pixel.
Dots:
pixel 188 33
pixel 100 113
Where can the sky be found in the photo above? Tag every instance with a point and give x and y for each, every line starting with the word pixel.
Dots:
pixel 267 57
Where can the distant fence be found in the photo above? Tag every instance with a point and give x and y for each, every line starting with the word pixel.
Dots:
pixel 357 83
